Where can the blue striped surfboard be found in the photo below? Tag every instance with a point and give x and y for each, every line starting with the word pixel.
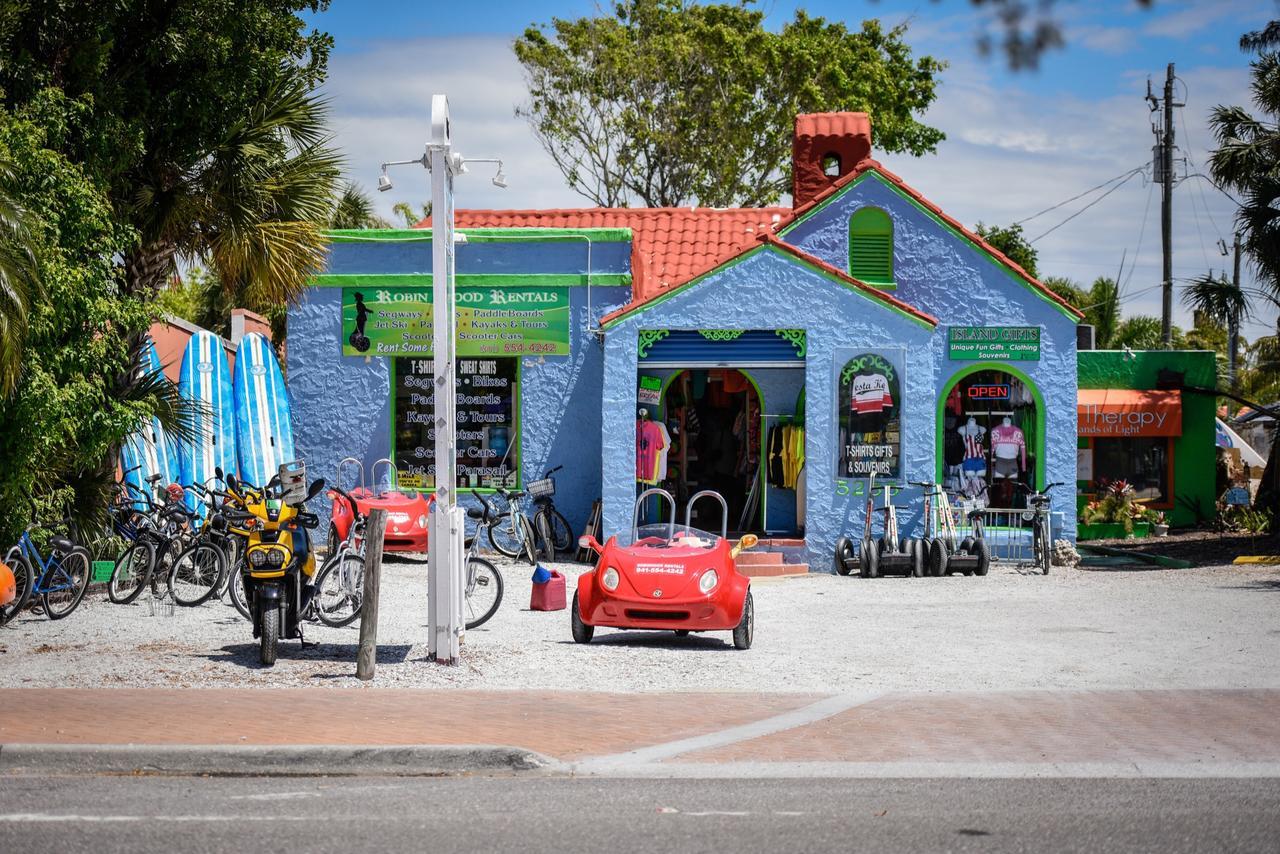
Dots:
pixel 206 380
pixel 264 429
pixel 148 451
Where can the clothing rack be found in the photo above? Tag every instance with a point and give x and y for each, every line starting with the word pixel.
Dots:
pixel 764 440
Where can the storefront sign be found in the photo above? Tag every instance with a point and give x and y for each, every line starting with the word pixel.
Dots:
pixel 488 453
pixel 506 321
pixel 868 414
pixel 988 391
pixel 1128 412
pixel 994 343
pixel 650 391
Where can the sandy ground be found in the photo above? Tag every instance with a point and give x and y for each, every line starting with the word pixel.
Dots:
pixel 1215 627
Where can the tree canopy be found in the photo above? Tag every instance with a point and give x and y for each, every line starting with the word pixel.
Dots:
pixel 670 102
pixel 1011 241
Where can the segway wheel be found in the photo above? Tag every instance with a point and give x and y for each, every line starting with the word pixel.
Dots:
pixel 872 551
pixel 863 569
pixel 844 559
pixel 966 545
pixel 983 552
pixel 916 550
pixel 938 558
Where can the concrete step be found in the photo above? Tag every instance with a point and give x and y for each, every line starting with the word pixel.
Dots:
pixel 775 570
pixel 780 543
pixel 754 558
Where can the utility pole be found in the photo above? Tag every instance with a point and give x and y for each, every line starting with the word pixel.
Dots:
pixel 1163 169
pixel 1233 324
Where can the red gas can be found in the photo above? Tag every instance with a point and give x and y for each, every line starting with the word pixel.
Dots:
pixel 548 596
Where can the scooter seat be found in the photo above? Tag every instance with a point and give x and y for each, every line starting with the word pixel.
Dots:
pixel 62 544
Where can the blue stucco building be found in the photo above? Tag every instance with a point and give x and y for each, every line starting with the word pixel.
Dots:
pixel 778 355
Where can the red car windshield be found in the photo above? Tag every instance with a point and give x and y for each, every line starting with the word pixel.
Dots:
pixel 665 537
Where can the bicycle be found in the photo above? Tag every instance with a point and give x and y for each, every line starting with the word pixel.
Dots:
pixel 549 522
pixel 162 534
pixel 1041 532
pixel 203 569
pixel 482 577
pixel 339 585
pixel 60 581
pixel 511 532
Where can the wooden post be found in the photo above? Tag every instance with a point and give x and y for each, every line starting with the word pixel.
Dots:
pixel 374 530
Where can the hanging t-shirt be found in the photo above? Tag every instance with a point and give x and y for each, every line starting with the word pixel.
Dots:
pixel 649 442
pixel 660 470
pixel 1007 443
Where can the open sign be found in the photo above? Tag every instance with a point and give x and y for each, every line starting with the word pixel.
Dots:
pixel 989 391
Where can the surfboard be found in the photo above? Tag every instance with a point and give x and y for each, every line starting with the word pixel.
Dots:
pixel 264 427
pixel 206 379
pixel 148 451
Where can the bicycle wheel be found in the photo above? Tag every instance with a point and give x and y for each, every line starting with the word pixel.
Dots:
pixel 235 587
pixel 561 534
pixel 507 535
pixel 340 590
pixel 195 574
pixel 544 543
pixel 22 586
pixel 64 583
pixel 483 592
pixel 131 572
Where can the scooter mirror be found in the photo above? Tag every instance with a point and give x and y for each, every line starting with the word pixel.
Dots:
pixel 588 542
pixel 316 486
pixel 748 541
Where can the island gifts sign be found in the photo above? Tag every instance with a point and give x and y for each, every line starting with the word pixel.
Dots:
pixel 1122 412
pixel 994 343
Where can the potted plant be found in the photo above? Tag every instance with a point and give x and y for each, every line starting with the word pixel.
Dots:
pixel 1159 526
pixel 1114 514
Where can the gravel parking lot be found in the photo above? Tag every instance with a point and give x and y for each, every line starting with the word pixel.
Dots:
pixel 1213 627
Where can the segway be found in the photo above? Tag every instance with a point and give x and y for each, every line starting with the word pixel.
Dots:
pixel 971 556
pixel 900 556
pixel 866 558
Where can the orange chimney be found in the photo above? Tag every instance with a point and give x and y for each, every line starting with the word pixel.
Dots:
pixel 825 147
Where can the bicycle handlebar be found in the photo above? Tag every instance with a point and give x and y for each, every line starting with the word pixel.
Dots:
pixel 553 471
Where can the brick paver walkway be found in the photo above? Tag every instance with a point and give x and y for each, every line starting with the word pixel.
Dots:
pixel 1012 727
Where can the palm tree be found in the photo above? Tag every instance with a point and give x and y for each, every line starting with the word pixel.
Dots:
pixel 1223 303
pixel 19 285
pixel 1140 332
pixel 1104 310
pixel 253 209
pixel 405 211
pixel 354 209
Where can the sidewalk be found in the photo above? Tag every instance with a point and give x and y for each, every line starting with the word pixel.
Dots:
pixel 601 731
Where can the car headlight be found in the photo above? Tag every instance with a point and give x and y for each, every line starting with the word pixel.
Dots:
pixel 708 581
pixel 275 557
pixel 422 521
pixel 610 579
pixel 257 557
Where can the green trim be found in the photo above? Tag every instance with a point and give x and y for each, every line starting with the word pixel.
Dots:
pixel 735 261
pixel 495 280
pixel 518 413
pixel 479 235
pixel 1041 412
pixel 647 338
pixel 796 338
pixel 761 473
pixel 1063 310
pixel 721 334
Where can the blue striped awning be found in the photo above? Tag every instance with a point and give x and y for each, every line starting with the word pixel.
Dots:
pixel 715 348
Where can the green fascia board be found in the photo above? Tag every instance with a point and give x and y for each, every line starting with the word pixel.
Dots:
pixel 982 250
pixel 487 280
pixel 750 253
pixel 481 235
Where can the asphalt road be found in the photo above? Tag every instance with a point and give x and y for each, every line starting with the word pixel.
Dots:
pixel 563 815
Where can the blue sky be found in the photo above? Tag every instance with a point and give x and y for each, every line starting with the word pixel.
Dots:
pixel 1017 142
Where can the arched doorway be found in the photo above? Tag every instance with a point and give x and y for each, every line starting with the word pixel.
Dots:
pixel 713 416
pixel 991 428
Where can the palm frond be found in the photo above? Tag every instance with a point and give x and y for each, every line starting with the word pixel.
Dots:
pixel 1217 298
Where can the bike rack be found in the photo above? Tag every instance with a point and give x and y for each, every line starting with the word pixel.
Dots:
pixel 724 505
pixel 392 481
pixel 342 466
pixel 635 512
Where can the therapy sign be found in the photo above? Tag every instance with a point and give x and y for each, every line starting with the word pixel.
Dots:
pixel 506 321
pixel 994 343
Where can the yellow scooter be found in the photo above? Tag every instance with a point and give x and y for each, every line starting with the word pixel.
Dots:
pixel 278 568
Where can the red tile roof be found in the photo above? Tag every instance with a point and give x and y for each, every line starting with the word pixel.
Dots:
pixel 669 245
pixel 833 124
pixel 813 260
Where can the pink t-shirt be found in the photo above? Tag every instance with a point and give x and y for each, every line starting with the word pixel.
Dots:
pixel 649 442
pixel 1007 442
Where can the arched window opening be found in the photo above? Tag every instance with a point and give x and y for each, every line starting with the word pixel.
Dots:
pixel 831 165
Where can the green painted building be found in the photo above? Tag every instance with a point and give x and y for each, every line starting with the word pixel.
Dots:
pixel 1160 441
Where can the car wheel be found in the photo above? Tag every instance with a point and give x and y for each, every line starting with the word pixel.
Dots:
pixel 843 563
pixel 938 558
pixel 582 633
pixel 984 556
pixel 745 632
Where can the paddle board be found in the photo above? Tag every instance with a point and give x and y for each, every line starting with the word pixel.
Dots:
pixel 264 429
pixel 206 380
pixel 148 451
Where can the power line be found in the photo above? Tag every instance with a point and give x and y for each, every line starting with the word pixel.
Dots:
pixel 1081 195
pixel 1137 253
pixel 1128 178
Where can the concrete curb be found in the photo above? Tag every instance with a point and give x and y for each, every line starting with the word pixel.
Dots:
pixel 251 760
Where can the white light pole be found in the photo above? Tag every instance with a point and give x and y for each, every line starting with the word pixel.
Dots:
pixel 445 582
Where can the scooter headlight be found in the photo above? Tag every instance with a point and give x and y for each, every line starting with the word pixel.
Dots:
pixel 708 581
pixel 257 557
pixel 276 557
pixel 610 579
